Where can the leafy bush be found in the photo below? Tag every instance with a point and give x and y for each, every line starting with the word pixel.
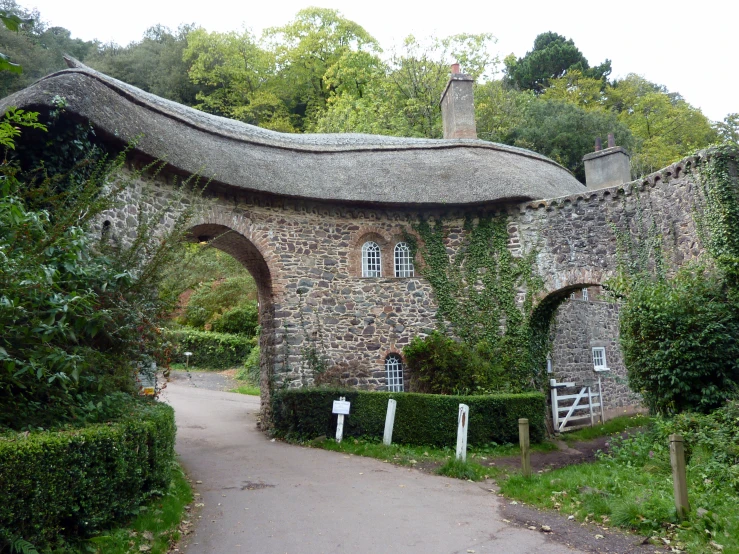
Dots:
pixel 441 365
pixel 251 370
pixel 679 341
pixel 212 299
pixel 423 419
pixel 58 484
pixel 211 350
pixel 241 320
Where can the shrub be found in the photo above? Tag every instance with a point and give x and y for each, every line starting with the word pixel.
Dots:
pixel 211 350
pixel 679 341
pixel 441 365
pixel 241 320
pixel 422 419
pixel 251 370
pixel 63 483
pixel 210 300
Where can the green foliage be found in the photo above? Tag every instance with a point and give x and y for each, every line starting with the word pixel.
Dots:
pixel 679 341
pixel 211 350
pixel 422 419
pixel 250 371
pixel 469 471
pixel 476 291
pixel 212 299
pixel 241 320
pixel 553 55
pixel 71 483
pixel 441 365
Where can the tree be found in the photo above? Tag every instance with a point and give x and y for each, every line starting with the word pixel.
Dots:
pixel 553 55
pixel 728 129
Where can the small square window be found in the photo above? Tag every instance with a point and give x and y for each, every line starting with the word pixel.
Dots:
pixel 599 359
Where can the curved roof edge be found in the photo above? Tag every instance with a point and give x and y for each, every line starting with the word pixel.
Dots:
pixel 343 167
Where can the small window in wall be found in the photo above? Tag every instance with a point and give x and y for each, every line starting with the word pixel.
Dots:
pixel 599 359
pixel 371 264
pixel 585 294
pixel 572 295
pixel 403 261
pixel 394 371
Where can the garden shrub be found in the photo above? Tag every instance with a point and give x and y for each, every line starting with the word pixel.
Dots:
pixel 421 419
pixel 241 320
pixel 59 484
pixel 211 350
pixel 212 299
pixel 250 370
pixel 679 341
pixel 441 365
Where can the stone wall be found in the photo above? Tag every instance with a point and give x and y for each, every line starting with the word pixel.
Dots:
pixel 581 324
pixel 305 257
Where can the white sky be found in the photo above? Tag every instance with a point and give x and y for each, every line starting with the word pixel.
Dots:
pixel 690 48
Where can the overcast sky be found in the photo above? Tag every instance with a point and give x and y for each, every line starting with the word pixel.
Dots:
pixel 690 48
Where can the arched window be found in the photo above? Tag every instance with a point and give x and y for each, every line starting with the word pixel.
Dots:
pixel 394 371
pixel 371 265
pixel 403 260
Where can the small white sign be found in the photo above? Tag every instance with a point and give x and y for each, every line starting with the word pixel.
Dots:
pixel 341 407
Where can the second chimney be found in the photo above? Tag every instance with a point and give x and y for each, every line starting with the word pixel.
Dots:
pixel 458 107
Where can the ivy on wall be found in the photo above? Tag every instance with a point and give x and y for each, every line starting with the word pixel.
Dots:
pixel 484 293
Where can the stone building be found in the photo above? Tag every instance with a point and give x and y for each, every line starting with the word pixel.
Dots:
pixel 321 222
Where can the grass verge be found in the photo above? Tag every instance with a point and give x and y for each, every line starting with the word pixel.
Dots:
pixel 610 427
pixel 156 528
pixel 246 389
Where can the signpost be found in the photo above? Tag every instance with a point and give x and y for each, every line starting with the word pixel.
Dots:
pixel 341 407
pixel 463 423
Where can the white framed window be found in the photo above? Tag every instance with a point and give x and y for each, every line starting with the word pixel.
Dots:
pixel 371 263
pixel 572 295
pixel 585 294
pixel 403 261
pixel 394 371
pixel 599 359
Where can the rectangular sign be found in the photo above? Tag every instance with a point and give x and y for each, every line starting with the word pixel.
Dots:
pixel 341 407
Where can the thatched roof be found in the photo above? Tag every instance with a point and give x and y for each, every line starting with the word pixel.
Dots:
pixel 344 167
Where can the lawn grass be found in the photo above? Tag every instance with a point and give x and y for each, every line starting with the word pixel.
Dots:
pixel 157 526
pixel 246 389
pixel 610 427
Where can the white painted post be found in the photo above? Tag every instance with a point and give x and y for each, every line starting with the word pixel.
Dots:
pixel 555 405
pixel 462 425
pixel 387 438
pixel 600 398
pixel 340 424
pixel 590 405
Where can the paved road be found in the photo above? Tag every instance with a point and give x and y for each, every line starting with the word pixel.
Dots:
pixel 270 497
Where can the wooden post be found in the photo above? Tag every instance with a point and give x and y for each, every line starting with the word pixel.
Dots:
pixel 523 439
pixel 590 405
pixel 555 405
pixel 679 476
pixel 340 424
pixel 602 403
pixel 462 425
pixel 387 438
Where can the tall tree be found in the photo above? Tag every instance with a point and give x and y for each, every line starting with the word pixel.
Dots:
pixel 553 55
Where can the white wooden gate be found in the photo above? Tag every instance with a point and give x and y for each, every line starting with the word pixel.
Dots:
pixel 572 409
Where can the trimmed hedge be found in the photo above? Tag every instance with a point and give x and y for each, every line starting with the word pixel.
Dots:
pixel 211 350
pixel 69 483
pixel 421 419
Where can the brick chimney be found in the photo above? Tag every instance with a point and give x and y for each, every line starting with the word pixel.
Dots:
pixel 607 168
pixel 458 107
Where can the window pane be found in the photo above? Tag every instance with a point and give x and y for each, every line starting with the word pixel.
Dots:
pixel 371 266
pixel 394 370
pixel 403 262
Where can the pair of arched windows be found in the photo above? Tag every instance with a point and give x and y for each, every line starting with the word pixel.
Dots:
pixel 372 260
pixel 394 372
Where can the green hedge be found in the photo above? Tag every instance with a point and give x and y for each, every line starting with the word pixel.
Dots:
pixel 56 484
pixel 211 350
pixel 422 419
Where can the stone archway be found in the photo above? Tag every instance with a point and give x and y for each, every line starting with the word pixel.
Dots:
pixel 249 255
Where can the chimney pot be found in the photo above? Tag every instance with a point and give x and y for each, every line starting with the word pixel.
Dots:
pixel 455 69
pixel 611 140
pixel 598 144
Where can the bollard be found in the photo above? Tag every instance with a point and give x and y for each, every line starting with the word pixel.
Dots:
pixel 387 438
pixel 679 477
pixel 340 424
pixel 463 423
pixel 523 439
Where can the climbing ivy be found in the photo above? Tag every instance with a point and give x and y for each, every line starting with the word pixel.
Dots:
pixel 484 293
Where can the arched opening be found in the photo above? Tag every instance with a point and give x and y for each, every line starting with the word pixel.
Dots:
pixel 245 252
